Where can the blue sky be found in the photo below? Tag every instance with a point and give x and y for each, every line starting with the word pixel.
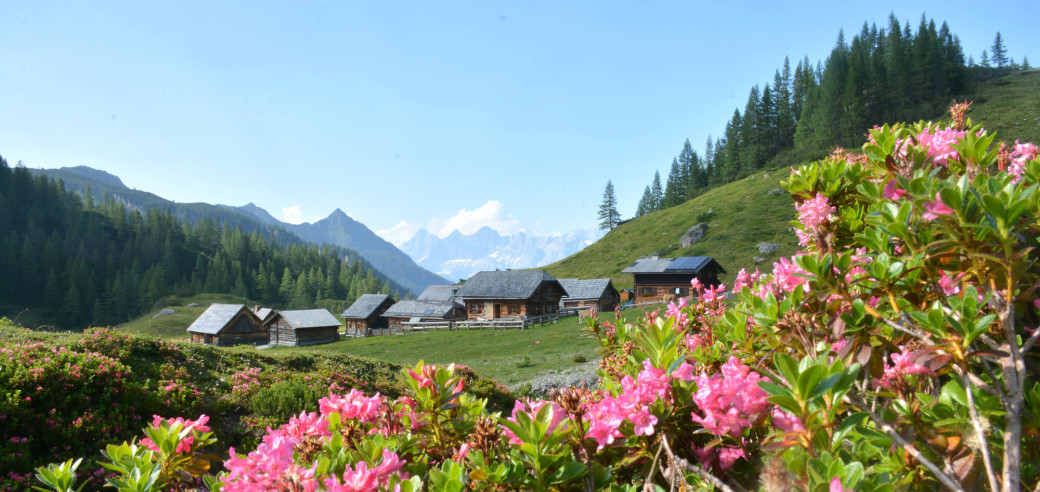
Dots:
pixel 445 115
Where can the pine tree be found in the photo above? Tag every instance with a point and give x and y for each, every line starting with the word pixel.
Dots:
pixel 985 60
pixel 608 214
pixel 673 187
pixel 1025 63
pixel 644 203
pixel 656 193
pixel 999 51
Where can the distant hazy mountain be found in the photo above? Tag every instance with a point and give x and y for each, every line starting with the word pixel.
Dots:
pixel 337 229
pixel 458 256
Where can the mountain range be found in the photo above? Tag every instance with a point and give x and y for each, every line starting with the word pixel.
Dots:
pixel 337 229
pixel 459 256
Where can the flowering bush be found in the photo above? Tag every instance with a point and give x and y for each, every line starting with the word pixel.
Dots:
pixel 894 353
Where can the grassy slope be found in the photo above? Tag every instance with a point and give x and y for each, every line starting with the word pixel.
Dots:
pixel 745 215
pixel 1011 106
pixel 742 215
pixel 174 326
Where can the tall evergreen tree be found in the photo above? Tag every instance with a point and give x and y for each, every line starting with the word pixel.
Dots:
pixel 673 187
pixel 608 214
pixel 984 61
pixel 656 193
pixel 644 203
pixel 999 51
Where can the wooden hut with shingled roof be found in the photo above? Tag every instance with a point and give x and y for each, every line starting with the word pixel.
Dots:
pixel 228 324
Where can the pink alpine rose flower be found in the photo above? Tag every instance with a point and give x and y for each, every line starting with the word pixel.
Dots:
pixel 936 208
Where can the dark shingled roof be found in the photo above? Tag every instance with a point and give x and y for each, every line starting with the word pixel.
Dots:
pixel 509 284
pixel 213 320
pixel 584 289
pixel 683 264
pixel 420 309
pixel 365 306
pixel 310 318
pixel 438 293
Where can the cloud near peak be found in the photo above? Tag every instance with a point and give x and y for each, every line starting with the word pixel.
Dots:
pixel 465 221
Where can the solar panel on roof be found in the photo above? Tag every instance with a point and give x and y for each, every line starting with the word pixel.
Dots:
pixel 693 263
pixel 428 311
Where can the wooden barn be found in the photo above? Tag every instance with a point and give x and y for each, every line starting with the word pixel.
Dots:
pixel 366 313
pixel 228 324
pixel 303 327
pixel 664 279
pixel 598 292
pixel 510 295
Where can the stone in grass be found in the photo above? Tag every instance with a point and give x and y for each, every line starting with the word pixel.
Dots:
pixel 164 312
pixel 775 191
pixel 759 259
pixel 693 236
pixel 767 248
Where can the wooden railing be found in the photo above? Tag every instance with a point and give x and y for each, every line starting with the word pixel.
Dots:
pixel 501 323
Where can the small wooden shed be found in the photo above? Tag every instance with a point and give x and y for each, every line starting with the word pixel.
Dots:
pixel 228 324
pixel 598 292
pixel 366 313
pixel 303 327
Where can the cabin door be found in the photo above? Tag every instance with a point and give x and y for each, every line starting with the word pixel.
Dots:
pixel 498 311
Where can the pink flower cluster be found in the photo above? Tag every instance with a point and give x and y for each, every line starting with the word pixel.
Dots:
pixel 272 465
pixel 787 276
pixel 903 364
pixel 184 446
pixel 633 404
pixel 815 215
pixel 362 478
pixel 729 401
pixel 675 311
pixel 559 417
pixel 353 405
pixel 940 144
pixel 1024 152
pixel 745 279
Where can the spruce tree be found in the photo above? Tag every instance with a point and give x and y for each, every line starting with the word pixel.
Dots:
pixel 644 203
pixel 1025 63
pixel 673 186
pixel 656 193
pixel 608 214
pixel 999 51
pixel 985 60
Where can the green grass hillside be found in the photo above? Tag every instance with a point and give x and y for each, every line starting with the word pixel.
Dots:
pixel 1010 105
pixel 743 213
pixel 174 326
pixel 739 215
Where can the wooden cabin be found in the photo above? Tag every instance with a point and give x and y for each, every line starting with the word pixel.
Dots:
pixel 598 292
pixel 414 311
pixel 366 313
pixel 303 327
pixel 510 295
pixel 228 324
pixel 663 279
pixel 436 304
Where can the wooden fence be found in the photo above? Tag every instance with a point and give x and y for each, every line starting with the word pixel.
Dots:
pixel 501 323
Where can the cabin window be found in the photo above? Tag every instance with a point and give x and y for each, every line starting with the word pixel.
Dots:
pixel 514 309
pixel 647 291
pixel 682 291
pixel 475 308
pixel 536 309
pixel 549 308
